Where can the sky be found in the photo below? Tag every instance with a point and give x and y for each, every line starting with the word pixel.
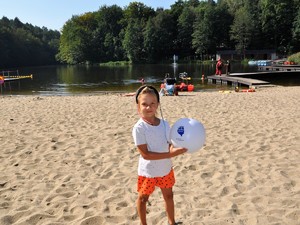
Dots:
pixel 54 13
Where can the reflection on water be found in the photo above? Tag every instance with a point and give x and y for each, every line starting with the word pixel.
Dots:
pixel 82 79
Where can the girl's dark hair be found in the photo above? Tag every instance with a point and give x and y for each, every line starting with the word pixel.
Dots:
pixel 138 92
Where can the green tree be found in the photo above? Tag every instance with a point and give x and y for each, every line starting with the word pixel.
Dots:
pixel 277 18
pixel 175 11
pixel 107 39
pixel 241 30
pixel 185 30
pixel 165 28
pixel 151 40
pixel 253 9
pixel 139 11
pixel 192 3
pixel 222 20
pixel 134 41
pixel 136 16
pixel 295 43
pixel 7 45
pixel 69 48
pixel 26 45
pixel 76 42
pixel 203 40
pixel 159 37
pixel 233 5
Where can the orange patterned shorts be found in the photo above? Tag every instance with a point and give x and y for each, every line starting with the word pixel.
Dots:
pixel 147 185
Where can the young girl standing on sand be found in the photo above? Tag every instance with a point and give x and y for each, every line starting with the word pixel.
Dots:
pixel 151 136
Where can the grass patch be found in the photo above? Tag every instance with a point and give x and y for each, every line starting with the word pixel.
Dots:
pixel 117 63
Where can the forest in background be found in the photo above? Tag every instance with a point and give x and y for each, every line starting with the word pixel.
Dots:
pixel 137 33
pixel 26 45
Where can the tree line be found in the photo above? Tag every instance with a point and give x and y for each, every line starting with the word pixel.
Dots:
pixel 191 29
pixel 26 45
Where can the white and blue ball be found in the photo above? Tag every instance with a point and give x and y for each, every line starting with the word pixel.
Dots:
pixel 188 133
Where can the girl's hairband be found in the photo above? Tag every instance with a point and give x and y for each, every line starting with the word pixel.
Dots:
pixel 142 88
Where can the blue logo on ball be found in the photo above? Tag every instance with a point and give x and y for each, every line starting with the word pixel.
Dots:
pixel 180 130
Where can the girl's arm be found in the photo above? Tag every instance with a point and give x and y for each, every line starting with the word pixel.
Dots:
pixel 159 155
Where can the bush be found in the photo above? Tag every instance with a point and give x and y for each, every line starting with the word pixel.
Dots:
pixel 295 58
pixel 117 63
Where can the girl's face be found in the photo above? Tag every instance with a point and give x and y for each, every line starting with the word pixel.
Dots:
pixel 148 105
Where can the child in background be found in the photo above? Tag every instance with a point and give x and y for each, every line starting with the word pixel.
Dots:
pixel 151 137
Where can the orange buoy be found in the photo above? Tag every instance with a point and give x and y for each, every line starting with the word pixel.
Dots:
pixel 190 87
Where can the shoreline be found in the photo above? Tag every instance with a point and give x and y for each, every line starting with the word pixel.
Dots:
pixel 95 93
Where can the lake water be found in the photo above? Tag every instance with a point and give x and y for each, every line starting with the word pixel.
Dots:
pixel 82 79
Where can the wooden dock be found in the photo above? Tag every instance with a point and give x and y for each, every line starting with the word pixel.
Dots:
pixel 280 68
pixel 236 80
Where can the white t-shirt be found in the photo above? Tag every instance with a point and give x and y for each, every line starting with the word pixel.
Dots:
pixel 157 139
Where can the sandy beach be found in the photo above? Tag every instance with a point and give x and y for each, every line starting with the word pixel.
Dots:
pixel 70 160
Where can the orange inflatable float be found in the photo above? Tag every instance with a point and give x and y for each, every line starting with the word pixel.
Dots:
pixel 185 87
pixel 248 90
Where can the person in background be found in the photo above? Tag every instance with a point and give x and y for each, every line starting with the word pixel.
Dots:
pixel 219 67
pixel 169 86
pixel 228 67
pixel 142 80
